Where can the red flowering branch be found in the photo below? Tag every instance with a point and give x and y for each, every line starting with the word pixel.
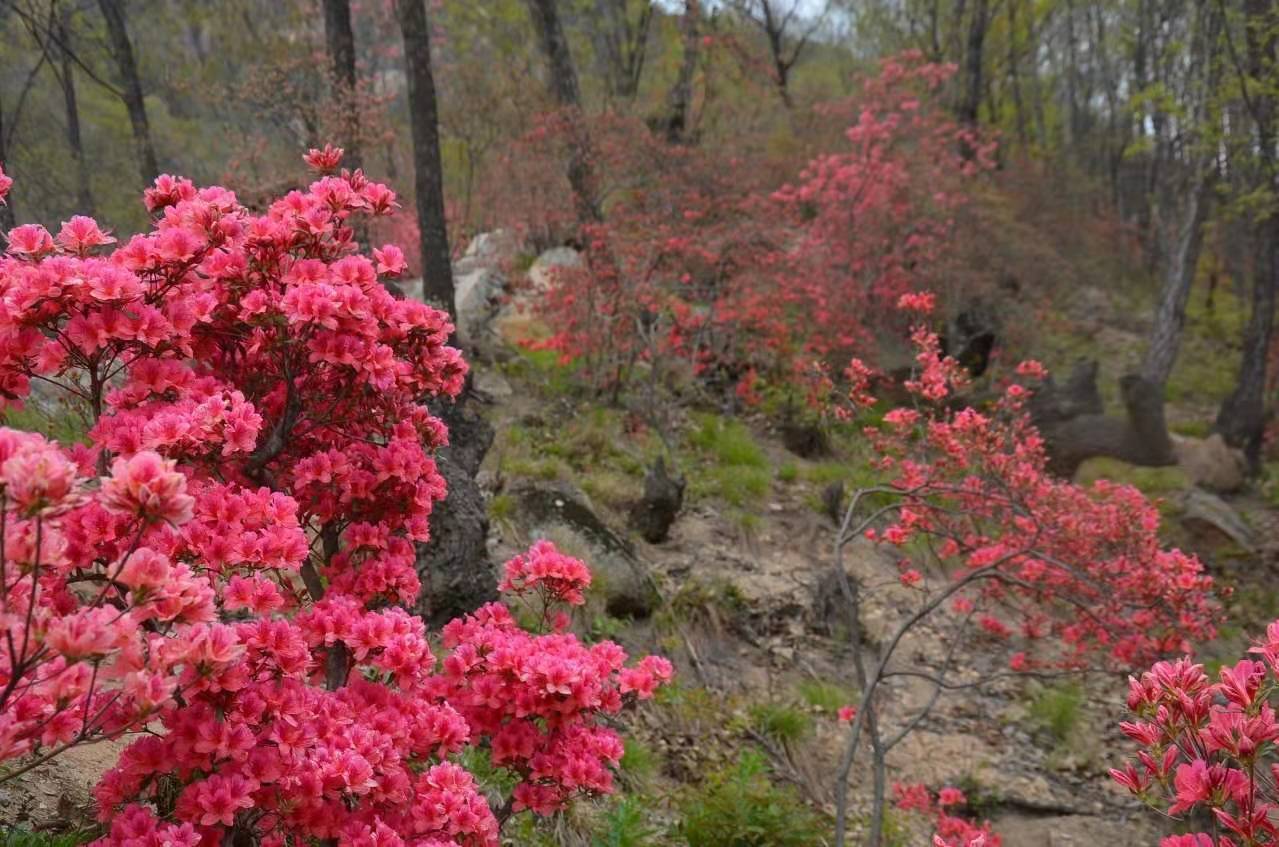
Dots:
pixel 987 536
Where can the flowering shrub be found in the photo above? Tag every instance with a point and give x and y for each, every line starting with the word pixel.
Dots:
pixel 718 267
pixel 1208 746
pixel 990 545
pixel 235 581
pixel 1015 550
pixel 951 829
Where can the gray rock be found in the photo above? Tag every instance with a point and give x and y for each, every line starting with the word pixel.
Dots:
pixel 1210 463
pixel 541 274
pixel 478 296
pixel 565 517
pixel 1203 510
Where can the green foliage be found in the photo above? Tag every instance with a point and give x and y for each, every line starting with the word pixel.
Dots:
pixel 624 825
pixel 639 762
pixel 1153 482
pixel 495 782
pixel 16 837
pixel 780 722
pixel 740 807
pixel 700 600
pixel 788 472
pixel 727 442
pixel 826 697
pixel 542 368
pixel 65 426
pixel 736 485
pixel 1056 709
pixel 501 507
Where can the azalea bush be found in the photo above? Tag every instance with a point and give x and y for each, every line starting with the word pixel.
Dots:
pixel 996 556
pixel 223 568
pixel 748 272
pixel 1206 749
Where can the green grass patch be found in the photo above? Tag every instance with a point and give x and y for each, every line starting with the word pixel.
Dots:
pixel 1153 482
pixel 624 824
pixel 727 442
pixel 781 722
pixel 1057 709
pixel 827 697
pixel 63 425
pixel 17 837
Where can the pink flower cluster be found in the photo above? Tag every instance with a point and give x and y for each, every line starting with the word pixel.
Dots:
pixel 951 830
pixel 547 571
pixel 236 582
pixel 1209 746
pixel 533 698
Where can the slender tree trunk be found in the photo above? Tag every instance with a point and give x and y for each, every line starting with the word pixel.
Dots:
pixel 8 218
pixel 126 65
pixel 621 45
pixel 681 96
pixel 1179 275
pixel 437 270
pixel 340 41
pixel 1242 417
pixel 564 85
pixel 84 191
pixel 974 55
pixel 1072 77
pixel 1014 73
pixel 781 70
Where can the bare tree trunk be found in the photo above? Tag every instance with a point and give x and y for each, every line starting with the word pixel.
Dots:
pixel 84 191
pixel 340 41
pixel 1242 417
pixel 622 45
pixel 564 85
pixel 437 270
pixel 126 65
pixel 1179 275
pixel 8 218
pixel 1014 73
pixel 973 61
pixel 681 95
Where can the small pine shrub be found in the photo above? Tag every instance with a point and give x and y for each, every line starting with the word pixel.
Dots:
pixel 741 807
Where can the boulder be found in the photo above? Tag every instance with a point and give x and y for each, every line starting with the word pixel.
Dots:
pixel 1211 463
pixel 477 295
pixel 565 517
pixel 541 274
pixel 490 248
pixel 1208 515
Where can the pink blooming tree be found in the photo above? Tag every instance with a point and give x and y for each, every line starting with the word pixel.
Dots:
pixel 223 568
pixel 995 550
pixel 1206 749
